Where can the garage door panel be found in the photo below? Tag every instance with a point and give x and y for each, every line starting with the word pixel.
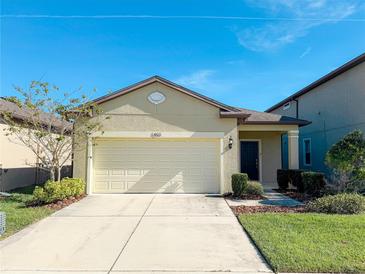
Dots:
pixel 183 166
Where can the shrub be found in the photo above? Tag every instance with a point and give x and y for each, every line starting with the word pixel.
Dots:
pixel 346 158
pixel 239 183
pixel 73 186
pixel 282 177
pixel 295 178
pixel 39 195
pixel 313 183
pixel 254 188
pixel 55 191
pixel 343 203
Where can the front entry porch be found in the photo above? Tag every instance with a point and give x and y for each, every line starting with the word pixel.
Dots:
pixel 260 151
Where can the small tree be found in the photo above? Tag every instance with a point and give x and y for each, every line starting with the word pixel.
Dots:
pixel 43 122
pixel 347 160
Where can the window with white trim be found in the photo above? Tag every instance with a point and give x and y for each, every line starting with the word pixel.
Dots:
pixel 307 151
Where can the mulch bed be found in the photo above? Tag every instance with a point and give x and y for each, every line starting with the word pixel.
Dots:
pixel 59 204
pixel 252 197
pixel 245 197
pixel 263 209
pixel 65 202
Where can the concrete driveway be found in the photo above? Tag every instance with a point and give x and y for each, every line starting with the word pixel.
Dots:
pixel 134 233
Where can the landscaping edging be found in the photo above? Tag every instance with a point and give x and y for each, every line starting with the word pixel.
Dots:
pixel 65 202
pixel 237 210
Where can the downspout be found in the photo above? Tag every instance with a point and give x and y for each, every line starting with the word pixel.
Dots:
pixel 296 108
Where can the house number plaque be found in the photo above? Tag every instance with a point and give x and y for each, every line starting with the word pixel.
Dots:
pixel 155 134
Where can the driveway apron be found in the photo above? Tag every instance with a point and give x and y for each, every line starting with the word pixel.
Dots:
pixel 134 233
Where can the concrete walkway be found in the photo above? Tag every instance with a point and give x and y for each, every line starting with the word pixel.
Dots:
pixel 134 234
pixel 273 198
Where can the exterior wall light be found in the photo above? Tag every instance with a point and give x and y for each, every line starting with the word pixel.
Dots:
pixel 230 142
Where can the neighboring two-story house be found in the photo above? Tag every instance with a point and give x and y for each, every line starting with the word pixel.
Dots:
pixel 335 104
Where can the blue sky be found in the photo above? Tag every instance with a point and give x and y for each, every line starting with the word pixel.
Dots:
pixel 270 50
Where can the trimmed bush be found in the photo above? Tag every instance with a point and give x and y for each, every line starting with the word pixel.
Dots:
pixel 73 186
pixel 38 195
pixel 295 178
pixel 55 191
pixel 254 188
pixel 282 177
pixel 290 176
pixel 313 183
pixel 343 203
pixel 239 183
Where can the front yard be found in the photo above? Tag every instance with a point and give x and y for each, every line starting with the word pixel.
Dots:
pixel 308 242
pixel 18 215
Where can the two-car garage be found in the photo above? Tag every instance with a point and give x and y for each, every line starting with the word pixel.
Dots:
pixel 154 165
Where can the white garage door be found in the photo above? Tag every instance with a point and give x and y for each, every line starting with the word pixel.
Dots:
pixel 156 165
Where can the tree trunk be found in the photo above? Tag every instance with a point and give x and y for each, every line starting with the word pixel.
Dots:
pixel 52 174
pixel 58 174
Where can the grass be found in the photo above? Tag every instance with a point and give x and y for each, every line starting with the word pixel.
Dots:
pixel 18 215
pixel 309 242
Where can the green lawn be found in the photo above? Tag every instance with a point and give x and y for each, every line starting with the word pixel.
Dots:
pixel 309 242
pixel 17 215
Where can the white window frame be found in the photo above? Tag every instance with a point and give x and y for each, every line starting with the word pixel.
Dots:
pixel 310 151
pixel 287 106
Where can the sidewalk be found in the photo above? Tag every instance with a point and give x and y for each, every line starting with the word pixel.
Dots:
pixel 273 198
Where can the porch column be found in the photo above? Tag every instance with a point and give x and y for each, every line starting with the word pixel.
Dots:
pixel 293 149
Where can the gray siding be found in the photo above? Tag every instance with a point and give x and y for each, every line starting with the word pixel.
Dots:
pixel 335 108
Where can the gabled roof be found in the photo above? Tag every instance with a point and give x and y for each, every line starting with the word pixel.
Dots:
pixel 168 83
pixel 349 65
pixel 23 114
pixel 245 116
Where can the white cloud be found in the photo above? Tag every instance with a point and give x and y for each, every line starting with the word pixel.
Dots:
pixel 305 15
pixel 306 52
pixel 198 79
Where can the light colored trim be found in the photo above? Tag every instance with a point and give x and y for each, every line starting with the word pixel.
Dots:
pixel 293 149
pixel 221 190
pixel 260 155
pixel 151 134
pixel 310 151
pixel 283 128
pixel 90 169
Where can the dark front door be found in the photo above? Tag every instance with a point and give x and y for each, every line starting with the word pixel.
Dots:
pixel 250 159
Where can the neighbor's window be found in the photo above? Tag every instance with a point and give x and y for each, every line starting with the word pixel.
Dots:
pixel 307 151
pixel 286 106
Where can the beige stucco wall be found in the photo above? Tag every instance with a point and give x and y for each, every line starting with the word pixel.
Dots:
pixel 335 108
pixel 18 163
pixel 179 113
pixel 15 159
pixel 270 153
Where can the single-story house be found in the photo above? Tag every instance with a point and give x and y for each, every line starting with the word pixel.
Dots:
pixel 335 105
pixel 19 166
pixel 161 137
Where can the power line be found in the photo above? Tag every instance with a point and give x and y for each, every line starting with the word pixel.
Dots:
pixel 208 17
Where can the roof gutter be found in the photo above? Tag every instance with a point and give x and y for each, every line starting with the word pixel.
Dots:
pixel 233 114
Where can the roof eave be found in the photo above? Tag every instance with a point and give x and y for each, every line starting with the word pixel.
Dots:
pixel 297 123
pixel 168 83
pixel 233 114
pixel 347 66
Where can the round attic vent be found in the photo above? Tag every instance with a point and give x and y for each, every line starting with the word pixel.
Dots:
pixel 156 98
